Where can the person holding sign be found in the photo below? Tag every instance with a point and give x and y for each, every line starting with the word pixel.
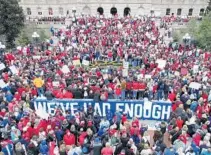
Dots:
pixel 38 83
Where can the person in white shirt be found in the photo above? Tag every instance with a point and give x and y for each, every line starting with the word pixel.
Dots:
pixel 75 150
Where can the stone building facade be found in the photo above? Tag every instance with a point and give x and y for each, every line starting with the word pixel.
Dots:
pixel 49 8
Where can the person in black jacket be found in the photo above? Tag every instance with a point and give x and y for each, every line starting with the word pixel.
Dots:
pixel 77 93
pixel 49 95
pixel 32 149
pixel 124 139
pixel 128 150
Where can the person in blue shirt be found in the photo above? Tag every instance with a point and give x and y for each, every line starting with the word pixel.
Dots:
pixel 59 134
pixel 206 152
pixel 43 149
pixel 9 96
pixel 109 115
pixel 8 149
pixel 169 151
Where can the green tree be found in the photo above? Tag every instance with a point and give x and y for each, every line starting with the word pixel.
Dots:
pixel 203 33
pixel 23 39
pixel 208 7
pixel 192 27
pixel 43 35
pixel 11 20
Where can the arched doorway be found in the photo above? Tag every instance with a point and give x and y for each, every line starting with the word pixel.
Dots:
pixel 86 10
pixel 126 11
pixel 100 10
pixel 113 11
pixel 141 11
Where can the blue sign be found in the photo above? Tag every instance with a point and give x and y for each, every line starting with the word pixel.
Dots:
pixel 143 109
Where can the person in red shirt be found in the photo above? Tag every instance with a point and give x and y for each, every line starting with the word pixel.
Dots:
pixel 135 88
pixel 142 87
pixel 172 96
pixel 59 94
pixel 110 55
pixel 67 94
pixel 69 138
pixel 107 150
pixel 124 118
pixel 117 92
pixel 129 85
pixel 179 123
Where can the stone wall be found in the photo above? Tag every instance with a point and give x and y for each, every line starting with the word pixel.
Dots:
pixel 90 6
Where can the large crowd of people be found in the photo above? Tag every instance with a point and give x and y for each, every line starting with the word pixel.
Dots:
pixel 102 59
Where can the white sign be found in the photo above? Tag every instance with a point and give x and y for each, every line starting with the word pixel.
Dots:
pixel 140 76
pixel 55 83
pixel 36 57
pixel 65 69
pixel 125 64
pixel 42 114
pixel 125 72
pixel 147 76
pixel 161 63
pixel 195 69
pixel 14 70
pixel 85 62
pixel 195 85
pixel 2 66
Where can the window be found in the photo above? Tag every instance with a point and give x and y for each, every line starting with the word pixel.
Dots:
pixel 113 11
pixel 39 11
pixel 61 11
pixel 201 13
pixel 168 11
pixel 50 11
pixel 179 12
pixel 28 10
pixel 190 13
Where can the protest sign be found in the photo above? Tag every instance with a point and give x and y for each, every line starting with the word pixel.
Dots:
pixel 42 114
pixel 65 69
pixel 13 69
pixel 195 69
pixel 36 57
pixel 148 76
pixel 161 63
pixel 125 72
pixel 195 85
pixel 125 64
pixel 85 62
pixel 76 62
pixel 55 83
pixel 140 76
pixel 143 109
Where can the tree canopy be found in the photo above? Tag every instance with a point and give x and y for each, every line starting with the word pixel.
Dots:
pixel 208 7
pixel 11 21
pixel 202 33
